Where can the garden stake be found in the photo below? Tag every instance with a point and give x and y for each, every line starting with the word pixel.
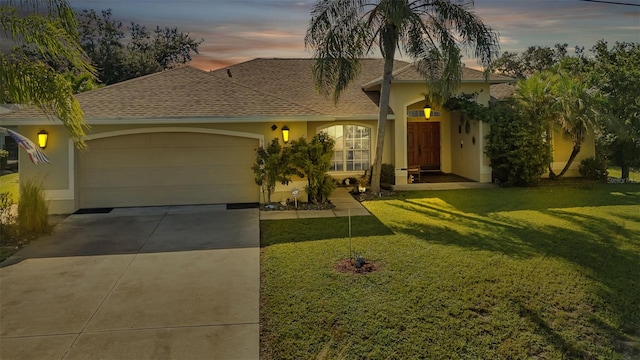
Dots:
pixel 350 248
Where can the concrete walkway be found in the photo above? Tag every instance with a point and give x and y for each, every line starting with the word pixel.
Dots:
pixel 341 198
pixel 346 204
pixel 144 283
pixel 443 186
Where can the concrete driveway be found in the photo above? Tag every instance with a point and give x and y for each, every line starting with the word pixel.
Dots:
pixel 139 283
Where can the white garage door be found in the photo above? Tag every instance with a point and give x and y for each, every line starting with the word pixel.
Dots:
pixel 167 169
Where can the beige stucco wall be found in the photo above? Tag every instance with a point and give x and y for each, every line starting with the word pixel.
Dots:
pixel 468 161
pixel 58 177
pixel 562 148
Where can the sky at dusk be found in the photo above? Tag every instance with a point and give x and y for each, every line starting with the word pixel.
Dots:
pixel 240 30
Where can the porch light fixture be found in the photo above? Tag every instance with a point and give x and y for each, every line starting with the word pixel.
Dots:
pixel 285 134
pixel 43 138
pixel 427 111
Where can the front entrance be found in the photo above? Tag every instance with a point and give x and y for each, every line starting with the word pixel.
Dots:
pixel 423 145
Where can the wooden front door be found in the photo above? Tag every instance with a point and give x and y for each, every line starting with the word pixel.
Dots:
pixel 423 145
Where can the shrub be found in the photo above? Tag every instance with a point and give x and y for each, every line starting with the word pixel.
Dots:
pixel 350 181
pixel 516 146
pixel 273 164
pixel 32 209
pixel 4 154
pixel 313 158
pixel 387 175
pixel 6 203
pixel 593 169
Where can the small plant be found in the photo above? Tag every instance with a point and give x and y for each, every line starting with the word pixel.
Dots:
pixel 593 169
pixel 387 175
pixel 350 181
pixel 359 261
pixel 4 154
pixel 32 210
pixel 6 204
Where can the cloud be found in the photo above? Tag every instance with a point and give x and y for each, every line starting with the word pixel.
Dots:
pixel 240 30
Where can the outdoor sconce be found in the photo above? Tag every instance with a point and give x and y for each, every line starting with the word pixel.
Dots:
pixel 285 134
pixel 427 112
pixel 43 138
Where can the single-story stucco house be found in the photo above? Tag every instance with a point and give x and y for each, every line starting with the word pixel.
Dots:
pixel 186 136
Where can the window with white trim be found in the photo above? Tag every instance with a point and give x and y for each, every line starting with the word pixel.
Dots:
pixel 352 149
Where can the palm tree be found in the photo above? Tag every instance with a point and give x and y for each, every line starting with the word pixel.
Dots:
pixel 536 102
pixel 50 29
pixel 561 99
pixel 431 32
pixel 576 113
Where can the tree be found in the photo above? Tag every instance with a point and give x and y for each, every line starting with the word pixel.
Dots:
pixel 48 28
pixel 560 99
pixel 516 146
pixel 575 111
pixel 432 32
pixel 273 164
pixel 119 56
pixel 616 72
pixel 530 61
pixel 313 158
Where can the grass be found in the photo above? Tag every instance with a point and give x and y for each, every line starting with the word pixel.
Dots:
pixel 548 272
pixel 9 183
pixel 615 172
pixel 32 215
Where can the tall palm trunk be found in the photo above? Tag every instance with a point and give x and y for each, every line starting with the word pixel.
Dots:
pixel 389 40
pixel 574 153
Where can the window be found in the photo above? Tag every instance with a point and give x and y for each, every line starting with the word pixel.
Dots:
pixel 352 151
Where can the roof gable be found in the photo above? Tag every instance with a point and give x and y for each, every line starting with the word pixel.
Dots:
pixel 292 79
pixel 410 74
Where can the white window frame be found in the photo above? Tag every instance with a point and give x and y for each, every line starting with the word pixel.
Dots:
pixel 356 145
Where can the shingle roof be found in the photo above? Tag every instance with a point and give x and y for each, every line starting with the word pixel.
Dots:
pixel 409 73
pixel 257 88
pixel 292 79
pixel 181 92
pixel 501 91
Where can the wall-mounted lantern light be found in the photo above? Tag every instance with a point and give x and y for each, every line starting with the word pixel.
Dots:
pixel 285 134
pixel 43 138
pixel 427 112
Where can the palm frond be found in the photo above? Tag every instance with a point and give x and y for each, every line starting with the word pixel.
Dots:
pixel 34 83
pixel 339 39
pixel 49 29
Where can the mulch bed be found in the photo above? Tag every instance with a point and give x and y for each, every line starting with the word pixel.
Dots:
pixel 370 196
pixel 301 206
pixel 348 266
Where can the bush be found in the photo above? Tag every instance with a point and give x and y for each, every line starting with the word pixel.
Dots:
pixel 313 159
pixel 6 204
pixel 4 154
pixel 387 175
pixel 516 147
pixel 350 181
pixel 273 164
pixel 32 210
pixel 593 169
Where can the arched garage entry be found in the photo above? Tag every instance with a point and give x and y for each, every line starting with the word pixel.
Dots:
pixel 167 166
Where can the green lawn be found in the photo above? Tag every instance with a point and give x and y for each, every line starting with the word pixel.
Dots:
pixel 550 272
pixel 9 183
pixel 634 174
